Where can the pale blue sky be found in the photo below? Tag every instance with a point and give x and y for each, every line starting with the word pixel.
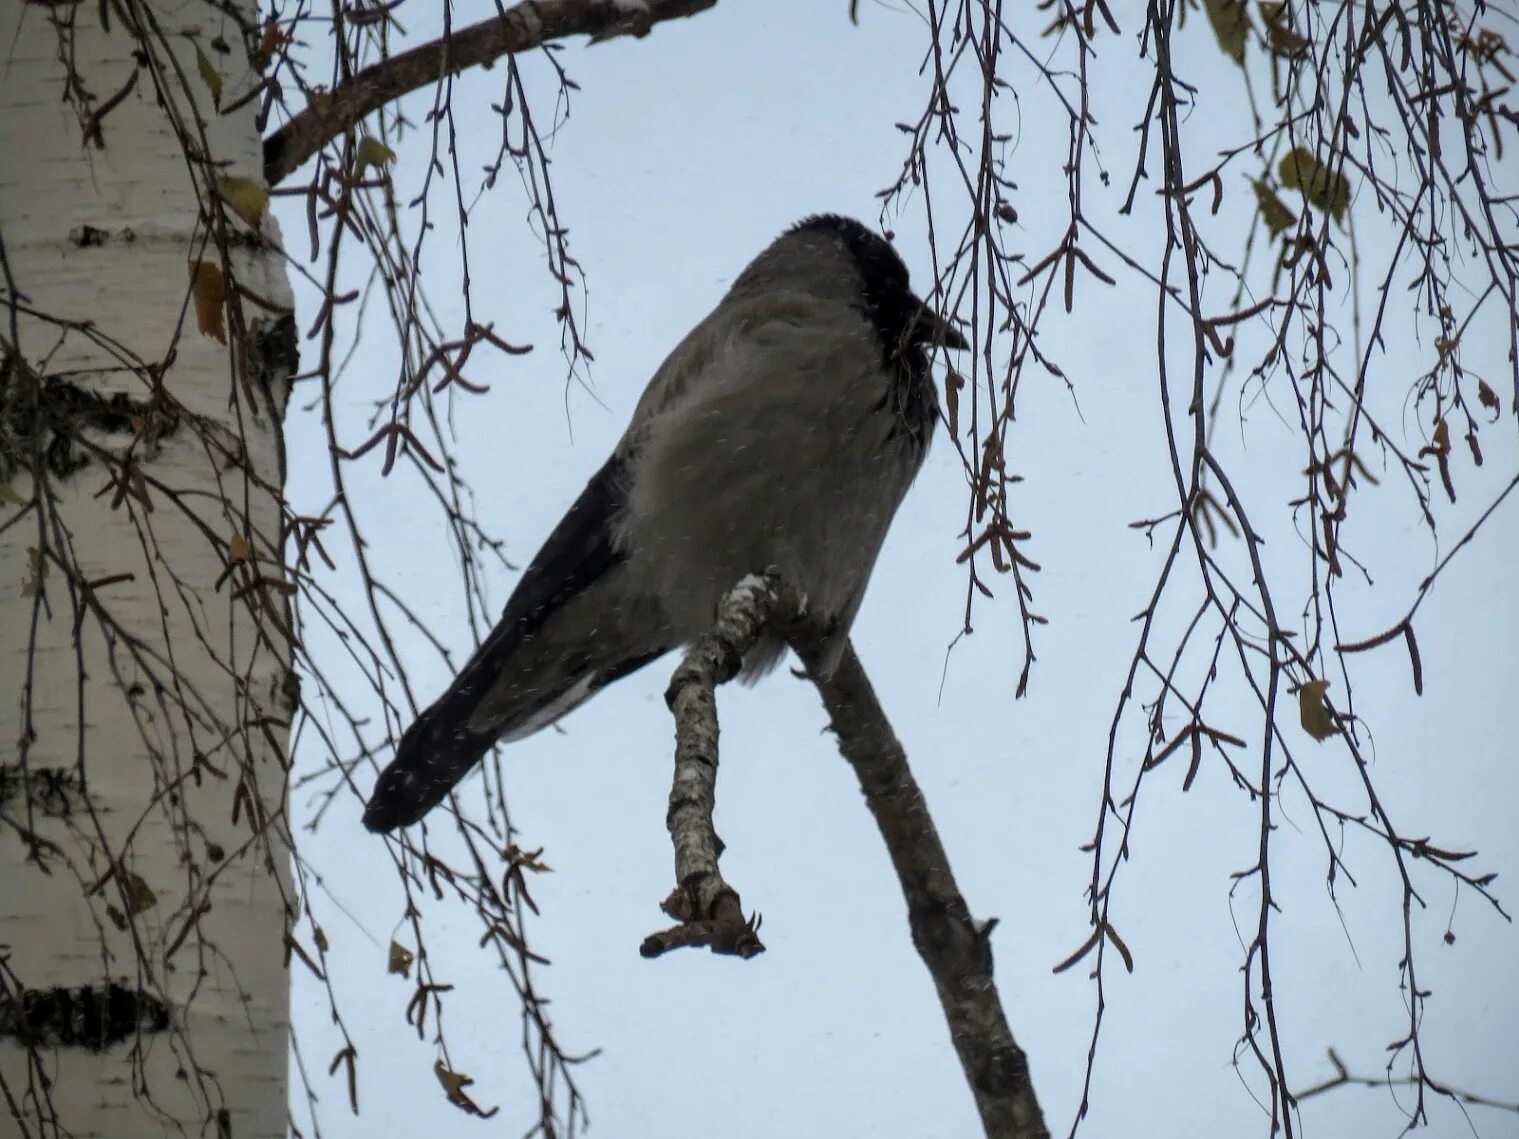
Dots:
pixel 685 153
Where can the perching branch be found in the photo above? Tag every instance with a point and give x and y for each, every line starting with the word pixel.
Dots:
pixel 530 24
pixel 955 947
pixel 705 905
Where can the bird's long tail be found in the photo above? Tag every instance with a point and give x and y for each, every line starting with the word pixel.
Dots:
pixel 573 625
pixel 486 703
pixel 434 754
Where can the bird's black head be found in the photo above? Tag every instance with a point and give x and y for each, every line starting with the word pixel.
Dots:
pixel 900 319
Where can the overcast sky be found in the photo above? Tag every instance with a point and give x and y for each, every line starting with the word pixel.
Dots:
pixel 685 153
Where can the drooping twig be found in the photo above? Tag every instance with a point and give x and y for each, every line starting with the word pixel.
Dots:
pixel 1343 1078
pixel 520 28
pixel 954 946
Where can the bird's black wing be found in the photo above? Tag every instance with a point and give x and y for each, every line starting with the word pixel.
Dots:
pixel 439 748
pixel 579 550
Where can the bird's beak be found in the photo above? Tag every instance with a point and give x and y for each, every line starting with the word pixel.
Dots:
pixel 932 329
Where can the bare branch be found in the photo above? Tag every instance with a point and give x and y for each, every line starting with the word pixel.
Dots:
pixel 528 25
pixel 1343 1078
pixel 955 946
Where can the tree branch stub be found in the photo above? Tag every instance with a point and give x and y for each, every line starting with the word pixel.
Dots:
pixel 707 907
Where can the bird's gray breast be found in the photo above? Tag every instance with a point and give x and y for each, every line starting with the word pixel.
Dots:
pixel 793 448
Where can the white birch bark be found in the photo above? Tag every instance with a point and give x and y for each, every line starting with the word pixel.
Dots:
pixel 144 892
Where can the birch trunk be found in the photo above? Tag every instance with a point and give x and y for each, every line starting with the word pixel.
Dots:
pixel 144 648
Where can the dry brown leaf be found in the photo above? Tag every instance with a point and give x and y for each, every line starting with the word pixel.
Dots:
pixel 272 39
pixel 400 959
pixel 1440 444
pixel 1488 398
pixel 210 290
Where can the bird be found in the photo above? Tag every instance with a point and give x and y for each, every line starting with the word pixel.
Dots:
pixel 781 434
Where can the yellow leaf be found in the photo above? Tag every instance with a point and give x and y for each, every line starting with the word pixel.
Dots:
pixel 1280 37
pixel 1322 187
pixel 319 935
pixel 210 290
pixel 9 496
pixel 208 73
pixel 527 859
pixel 140 895
pixel 238 549
pixel 1286 43
pixel 371 152
pixel 1313 710
pixel 1273 210
pixel 1231 24
pixel 400 959
pixel 1485 396
pixel 249 199
pixel 453 1083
